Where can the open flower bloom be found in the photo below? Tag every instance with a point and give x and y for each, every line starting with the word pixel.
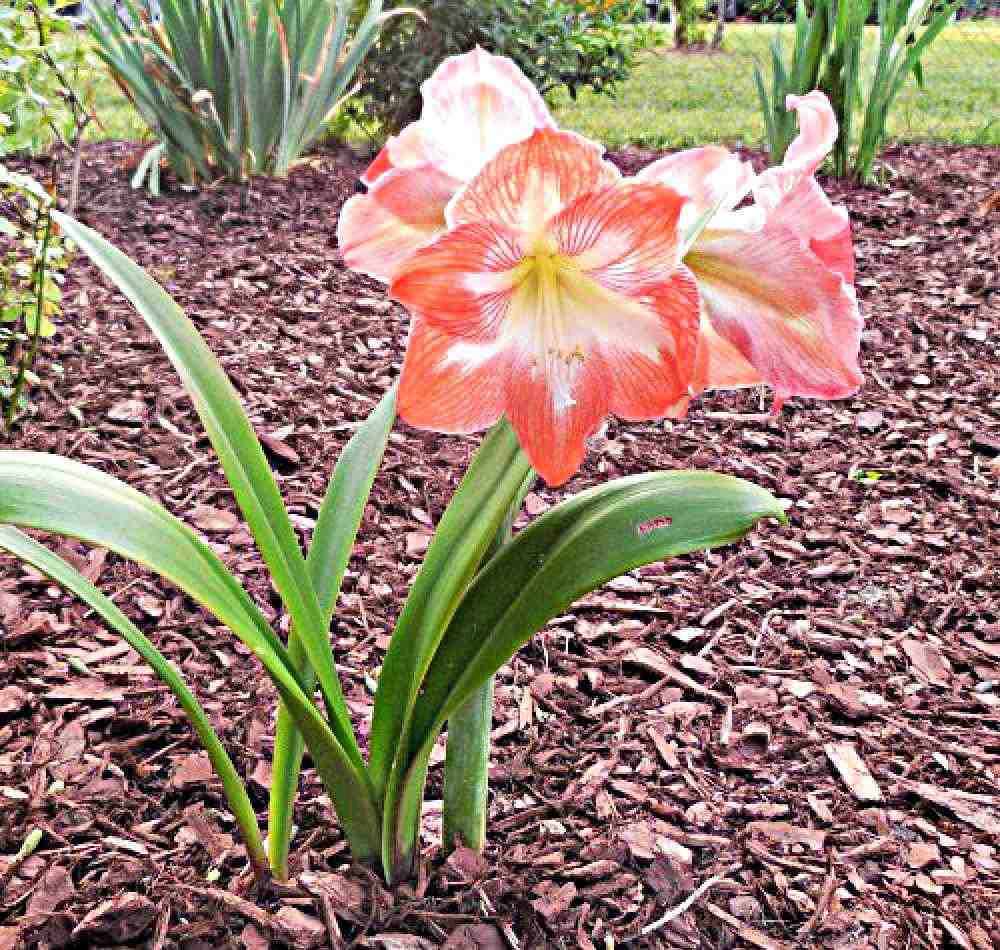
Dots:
pixel 474 105
pixel 775 278
pixel 555 296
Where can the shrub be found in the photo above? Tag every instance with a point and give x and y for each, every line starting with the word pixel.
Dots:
pixel 557 43
pixel 235 88
pixel 689 28
pixel 45 84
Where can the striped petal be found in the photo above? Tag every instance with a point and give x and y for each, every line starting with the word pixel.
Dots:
pixel 817 131
pixel 530 182
pixel 809 149
pixel 462 282
pixel 475 105
pixel 644 321
pixel 824 226
pixel 403 211
pixel 645 386
pixel 787 313
pixel 450 386
pixel 709 177
pixel 554 434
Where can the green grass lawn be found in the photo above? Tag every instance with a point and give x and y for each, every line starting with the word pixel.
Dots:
pixel 681 99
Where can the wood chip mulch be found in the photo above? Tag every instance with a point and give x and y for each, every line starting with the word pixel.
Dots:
pixel 790 742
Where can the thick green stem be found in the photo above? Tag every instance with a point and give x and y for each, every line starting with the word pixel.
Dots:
pixel 467 760
pixel 286 766
pixel 467 771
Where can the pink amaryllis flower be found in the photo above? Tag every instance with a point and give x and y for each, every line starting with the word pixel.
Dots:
pixel 473 106
pixel 776 278
pixel 556 295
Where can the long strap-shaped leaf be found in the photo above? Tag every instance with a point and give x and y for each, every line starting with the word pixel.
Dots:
pixel 465 532
pixel 53 566
pixel 242 459
pixel 329 554
pixel 67 498
pixel 41 490
pixel 571 550
pixel 568 552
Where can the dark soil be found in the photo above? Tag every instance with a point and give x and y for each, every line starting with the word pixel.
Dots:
pixel 808 721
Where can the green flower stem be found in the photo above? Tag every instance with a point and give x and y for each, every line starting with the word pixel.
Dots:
pixel 466 771
pixel 289 748
pixel 467 760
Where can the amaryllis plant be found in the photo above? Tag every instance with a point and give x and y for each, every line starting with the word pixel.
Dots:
pixel 545 292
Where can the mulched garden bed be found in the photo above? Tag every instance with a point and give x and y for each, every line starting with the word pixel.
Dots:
pixel 809 720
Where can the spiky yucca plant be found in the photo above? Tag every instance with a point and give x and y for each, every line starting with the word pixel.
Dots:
pixel 234 88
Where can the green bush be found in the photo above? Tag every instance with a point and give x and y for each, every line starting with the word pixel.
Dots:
pixel 235 88
pixel 568 44
pixel 43 78
pixel 689 24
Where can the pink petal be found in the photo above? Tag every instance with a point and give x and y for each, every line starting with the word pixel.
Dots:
pixel 788 314
pixel 451 82
pixel 705 176
pixel 530 182
pixel 461 283
pixel 381 164
pixel 625 235
pixel 818 131
pixel 719 364
pixel 553 435
pixel 816 138
pixel 449 387
pixel 403 211
pixel 409 149
pixel 625 239
pixel 643 387
pixel 808 212
pixel 475 105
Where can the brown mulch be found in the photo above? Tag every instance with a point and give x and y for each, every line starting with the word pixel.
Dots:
pixel 805 726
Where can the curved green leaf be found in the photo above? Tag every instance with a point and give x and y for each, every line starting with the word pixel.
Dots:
pixel 242 459
pixel 571 550
pixel 52 493
pixel 53 566
pixel 65 497
pixel 329 554
pixel 467 528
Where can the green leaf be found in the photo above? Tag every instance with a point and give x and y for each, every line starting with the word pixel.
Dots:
pixel 54 567
pixel 464 534
pixel 345 500
pixel 329 554
pixel 266 73
pixel 64 497
pixel 571 550
pixel 40 490
pixel 242 459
